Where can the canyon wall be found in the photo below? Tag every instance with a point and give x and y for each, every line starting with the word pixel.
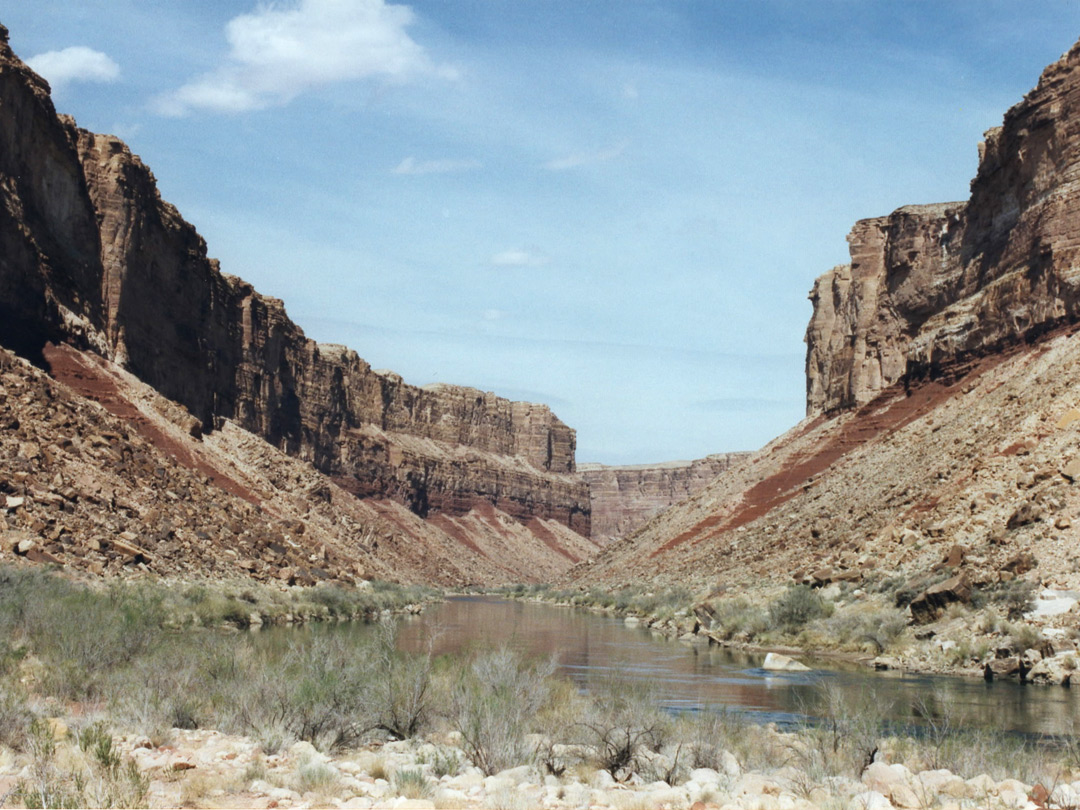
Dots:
pixel 624 498
pixel 90 255
pixel 930 289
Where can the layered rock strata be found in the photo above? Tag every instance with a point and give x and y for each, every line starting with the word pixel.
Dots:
pixel 91 256
pixel 931 288
pixel 943 379
pixel 625 498
pixel 104 476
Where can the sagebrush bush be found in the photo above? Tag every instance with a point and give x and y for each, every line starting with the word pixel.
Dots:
pixel 622 720
pixel 797 606
pixel 495 698
pixel 737 616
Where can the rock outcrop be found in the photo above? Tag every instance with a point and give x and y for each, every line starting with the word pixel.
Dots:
pixel 624 498
pixel 91 256
pixel 931 288
pixel 943 379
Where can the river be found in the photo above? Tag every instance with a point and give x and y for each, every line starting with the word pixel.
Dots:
pixel 588 646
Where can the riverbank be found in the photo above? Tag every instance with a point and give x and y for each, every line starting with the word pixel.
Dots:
pixel 761 769
pixel 1013 631
pixel 134 714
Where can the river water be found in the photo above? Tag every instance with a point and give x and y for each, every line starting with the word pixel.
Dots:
pixel 588 646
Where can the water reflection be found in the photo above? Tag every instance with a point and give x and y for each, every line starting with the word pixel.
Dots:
pixel 588 646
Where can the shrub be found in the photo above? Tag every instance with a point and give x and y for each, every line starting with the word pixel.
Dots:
pixel 493 702
pixel 845 739
pixel 98 778
pixel 411 783
pixel 316 692
pixel 797 606
pixel 399 685
pixel 739 615
pixel 443 761
pixel 623 719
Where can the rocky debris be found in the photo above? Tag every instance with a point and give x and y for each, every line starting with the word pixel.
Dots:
pixel 624 498
pixel 931 603
pixel 204 767
pixel 88 248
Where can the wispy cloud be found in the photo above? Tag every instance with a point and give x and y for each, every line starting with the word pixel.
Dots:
pixel 519 258
pixel 75 64
pixel 279 51
pixel 411 165
pixel 577 159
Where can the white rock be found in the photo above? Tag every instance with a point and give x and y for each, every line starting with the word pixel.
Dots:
pixel 883 778
pixel 672 797
pixel 705 776
pixel 870 800
pixel 305 750
pixel 730 764
pixel 283 794
pixel 775 662
pixel 602 780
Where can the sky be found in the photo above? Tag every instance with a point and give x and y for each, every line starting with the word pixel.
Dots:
pixel 615 208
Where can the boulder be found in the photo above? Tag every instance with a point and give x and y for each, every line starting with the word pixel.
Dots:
pixel 775 662
pixel 931 603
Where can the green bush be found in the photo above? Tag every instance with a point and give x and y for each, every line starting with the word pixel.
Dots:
pixel 797 606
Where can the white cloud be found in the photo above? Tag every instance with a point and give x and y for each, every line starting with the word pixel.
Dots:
pixel 279 51
pixel 411 165
pixel 519 258
pixel 75 64
pixel 585 158
pixel 492 314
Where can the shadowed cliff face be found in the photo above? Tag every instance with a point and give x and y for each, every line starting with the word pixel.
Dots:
pixel 92 256
pixel 932 288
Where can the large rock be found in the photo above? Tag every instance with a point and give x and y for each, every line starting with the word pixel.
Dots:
pixel 775 662
pixel 91 256
pixel 931 603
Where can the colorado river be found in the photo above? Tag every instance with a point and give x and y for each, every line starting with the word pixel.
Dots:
pixel 588 646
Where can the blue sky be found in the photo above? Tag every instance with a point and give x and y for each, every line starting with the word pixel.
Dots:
pixel 616 208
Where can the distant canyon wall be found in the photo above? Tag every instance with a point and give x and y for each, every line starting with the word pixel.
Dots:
pixel 931 288
pixel 624 498
pixel 91 255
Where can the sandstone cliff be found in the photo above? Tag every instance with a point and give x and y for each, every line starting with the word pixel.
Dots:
pixel 103 475
pixel 943 382
pixel 91 256
pixel 931 288
pixel 624 498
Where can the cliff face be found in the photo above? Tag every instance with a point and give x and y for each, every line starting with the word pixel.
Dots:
pixel 943 391
pixel 92 256
pixel 625 498
pixel 931 288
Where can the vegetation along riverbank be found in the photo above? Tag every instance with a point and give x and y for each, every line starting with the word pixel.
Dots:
pixel 1008 630
pixel 150 712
